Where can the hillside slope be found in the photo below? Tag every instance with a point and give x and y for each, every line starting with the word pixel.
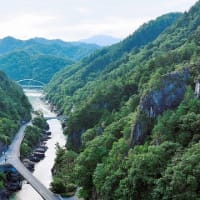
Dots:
pixel 134 123
pixel 39 58
pixel 69 80
pixel 73 50
pixel 14 107
pixel 21 65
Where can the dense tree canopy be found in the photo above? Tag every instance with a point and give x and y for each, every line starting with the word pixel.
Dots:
pixel 14 109
pixel 39 58
pixel 102 97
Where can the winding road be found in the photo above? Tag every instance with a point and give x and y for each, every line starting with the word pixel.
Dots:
pixel 12 157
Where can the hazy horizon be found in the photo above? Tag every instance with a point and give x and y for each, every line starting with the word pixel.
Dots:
pixel 80 40
pixel 79 19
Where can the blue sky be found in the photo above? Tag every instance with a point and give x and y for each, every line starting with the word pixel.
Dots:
pixel 73 20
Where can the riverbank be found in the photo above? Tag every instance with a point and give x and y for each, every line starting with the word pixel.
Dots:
pixel 43 168
pixel 29 137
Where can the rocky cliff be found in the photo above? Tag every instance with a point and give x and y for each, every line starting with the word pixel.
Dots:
pixel 74 140
pixel 167 95
pixel 197 87
pixel 4 195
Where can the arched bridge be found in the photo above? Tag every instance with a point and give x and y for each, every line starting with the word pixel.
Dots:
pixel 31 83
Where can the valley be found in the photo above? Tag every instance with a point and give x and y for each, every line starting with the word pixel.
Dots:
pixel 129 112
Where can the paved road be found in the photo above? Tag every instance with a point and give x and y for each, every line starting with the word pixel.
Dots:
pixel 12 158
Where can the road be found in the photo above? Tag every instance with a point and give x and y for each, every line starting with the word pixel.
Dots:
pixel 12 157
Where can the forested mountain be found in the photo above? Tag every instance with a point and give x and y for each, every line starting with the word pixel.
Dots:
pixel 39 58
pixel 21 65
pixel 73 50
pixel 134 115
pixel 14 108
pixel 103 62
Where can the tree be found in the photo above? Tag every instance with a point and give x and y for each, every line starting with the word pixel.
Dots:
pixel 181 178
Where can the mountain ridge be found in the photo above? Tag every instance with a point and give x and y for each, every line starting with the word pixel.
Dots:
pixel 133 118
pixel 39 58
pixel 45 46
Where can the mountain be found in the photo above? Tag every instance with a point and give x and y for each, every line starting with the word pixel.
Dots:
pixel 20 65
pixel 101 40
pixel 134 115
pixel 39 58
pixel 73 50
pixel 14 107
pixel 102 63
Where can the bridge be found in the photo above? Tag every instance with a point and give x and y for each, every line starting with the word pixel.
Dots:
pixel 31 83
pixel 11 158
pixel 56 117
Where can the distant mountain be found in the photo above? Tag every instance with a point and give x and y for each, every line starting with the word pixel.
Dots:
pixel 39 58
pixel 73 50
pixel 101 40
pixel 21 65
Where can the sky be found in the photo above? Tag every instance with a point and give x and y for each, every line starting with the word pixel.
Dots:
pixel 72 20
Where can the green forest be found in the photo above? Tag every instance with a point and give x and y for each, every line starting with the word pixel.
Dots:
pixel 33 133
pixel 133 116
pixel 31 59
pixel 14 109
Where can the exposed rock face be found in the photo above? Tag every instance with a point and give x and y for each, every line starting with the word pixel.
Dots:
pixel 197 87
pixel 3 147
pixel 140 130
pixel 74 140
pixel 4 195
pixel 167 95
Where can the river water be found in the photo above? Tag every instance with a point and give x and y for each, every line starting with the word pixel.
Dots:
pixel 43 168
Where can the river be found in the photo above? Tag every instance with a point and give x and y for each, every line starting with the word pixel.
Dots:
pixel 43 168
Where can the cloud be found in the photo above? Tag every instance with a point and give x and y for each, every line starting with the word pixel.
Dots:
pixel 111 26
pixel 25 25
pixel 76 19
pixel 83 10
